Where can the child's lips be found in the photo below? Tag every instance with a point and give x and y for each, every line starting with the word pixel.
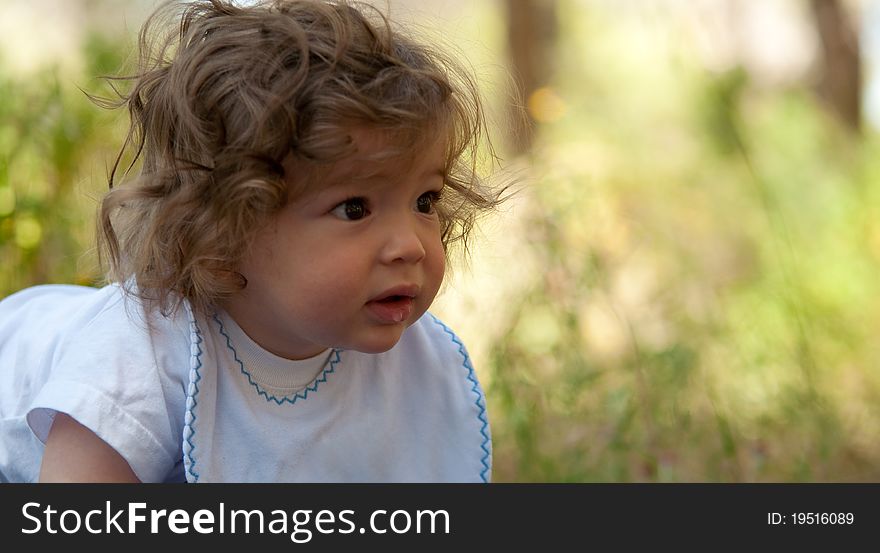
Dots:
pixel 394 305
pixel 392 310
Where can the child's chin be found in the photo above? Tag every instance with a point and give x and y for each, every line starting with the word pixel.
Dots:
pixel 379 345
pixel 375 348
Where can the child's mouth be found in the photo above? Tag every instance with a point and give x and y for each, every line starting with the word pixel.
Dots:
pixel 391 309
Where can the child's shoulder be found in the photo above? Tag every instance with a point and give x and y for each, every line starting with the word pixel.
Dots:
pixel 50 308
pixel 50 299
pixel 66 314
pixel 99 356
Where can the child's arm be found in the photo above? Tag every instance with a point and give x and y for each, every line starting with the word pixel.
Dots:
pixel 75 454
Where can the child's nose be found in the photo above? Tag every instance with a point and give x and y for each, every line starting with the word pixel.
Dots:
pixel 402 244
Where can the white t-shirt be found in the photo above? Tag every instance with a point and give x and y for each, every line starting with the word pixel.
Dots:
pixel 194 398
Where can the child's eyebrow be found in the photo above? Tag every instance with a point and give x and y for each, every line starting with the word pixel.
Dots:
pixel 383 174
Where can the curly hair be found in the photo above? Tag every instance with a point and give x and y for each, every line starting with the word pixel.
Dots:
pixel 221 99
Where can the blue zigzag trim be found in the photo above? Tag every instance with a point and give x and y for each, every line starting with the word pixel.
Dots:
pixel 302 394
pixel 189 431
pixel 479 402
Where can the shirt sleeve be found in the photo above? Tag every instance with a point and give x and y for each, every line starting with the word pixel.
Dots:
pixel 123 379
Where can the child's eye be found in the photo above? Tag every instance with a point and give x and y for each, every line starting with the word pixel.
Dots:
pixel 427 201
pixel 351 209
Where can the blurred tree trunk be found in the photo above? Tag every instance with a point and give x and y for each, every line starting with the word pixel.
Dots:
pixel 841 79
pixel 531 39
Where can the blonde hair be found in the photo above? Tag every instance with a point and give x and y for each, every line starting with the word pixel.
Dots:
pixel 216 106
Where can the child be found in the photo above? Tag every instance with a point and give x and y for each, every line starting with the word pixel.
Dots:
pixel 304 169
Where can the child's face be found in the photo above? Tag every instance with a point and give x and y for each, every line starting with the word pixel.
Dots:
pixel 350 265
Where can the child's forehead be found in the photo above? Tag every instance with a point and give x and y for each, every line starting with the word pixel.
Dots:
pixel 379 156
pixel 379 150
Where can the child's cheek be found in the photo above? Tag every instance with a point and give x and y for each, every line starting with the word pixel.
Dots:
pixel 436 269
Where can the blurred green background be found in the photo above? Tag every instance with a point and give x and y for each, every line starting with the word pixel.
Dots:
pixel 686 286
